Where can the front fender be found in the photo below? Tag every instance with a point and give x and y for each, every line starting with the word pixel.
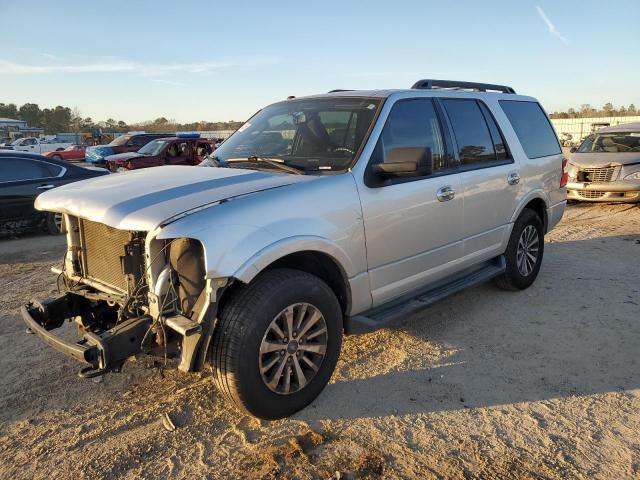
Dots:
pixel 243 251
pixel 263 258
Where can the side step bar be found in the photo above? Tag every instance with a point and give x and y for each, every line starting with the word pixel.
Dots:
pixel 382 316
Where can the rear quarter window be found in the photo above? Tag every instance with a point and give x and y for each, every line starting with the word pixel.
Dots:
pixel 532 127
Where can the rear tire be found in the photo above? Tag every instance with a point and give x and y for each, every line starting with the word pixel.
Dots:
pixel 524 252
pixel 250 367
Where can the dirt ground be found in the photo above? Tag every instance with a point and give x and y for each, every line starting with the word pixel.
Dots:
pixel 543 383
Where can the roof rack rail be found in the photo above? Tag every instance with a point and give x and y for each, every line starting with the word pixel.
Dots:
pixel 428 84
pixel 340 90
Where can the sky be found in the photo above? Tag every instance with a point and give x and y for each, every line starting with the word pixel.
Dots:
pixel 218 61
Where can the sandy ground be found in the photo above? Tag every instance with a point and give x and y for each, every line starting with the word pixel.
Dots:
pixel 543 383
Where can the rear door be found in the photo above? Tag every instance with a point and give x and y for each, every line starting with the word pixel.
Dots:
pixel 489 177
pixel 179 153
pixel 202 150
pixel 21 181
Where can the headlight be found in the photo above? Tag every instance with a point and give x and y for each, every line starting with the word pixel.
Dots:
pixel 121 170
pixel 633 176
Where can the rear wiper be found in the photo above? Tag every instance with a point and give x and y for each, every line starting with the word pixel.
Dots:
pixel 281 165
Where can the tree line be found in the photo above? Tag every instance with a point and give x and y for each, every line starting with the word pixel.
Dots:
pixel 607 110
pixel 64 119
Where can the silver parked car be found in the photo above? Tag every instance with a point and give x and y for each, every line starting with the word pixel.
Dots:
pixel 606 166
pixel 323 215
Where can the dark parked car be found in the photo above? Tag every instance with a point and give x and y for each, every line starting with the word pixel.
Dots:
pixel 131 142
pixel 23 176
pixel 178 150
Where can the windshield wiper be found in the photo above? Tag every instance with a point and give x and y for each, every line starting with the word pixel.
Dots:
pixel 278 164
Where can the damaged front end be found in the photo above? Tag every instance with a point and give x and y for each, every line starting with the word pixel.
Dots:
pixel 128 293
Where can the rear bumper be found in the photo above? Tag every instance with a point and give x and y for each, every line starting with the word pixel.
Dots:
pixel 101 352
pixel 619 191
pixel 554 214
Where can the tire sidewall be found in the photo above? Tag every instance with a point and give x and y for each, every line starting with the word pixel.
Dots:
pixel 526 218
pixel 258 398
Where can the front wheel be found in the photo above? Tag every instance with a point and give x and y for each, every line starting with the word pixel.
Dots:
pixel 276 343
pixel 524 252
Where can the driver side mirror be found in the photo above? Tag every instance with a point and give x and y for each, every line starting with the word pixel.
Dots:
pixel 405 162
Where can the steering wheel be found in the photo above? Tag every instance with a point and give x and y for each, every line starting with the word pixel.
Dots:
pixel 344 149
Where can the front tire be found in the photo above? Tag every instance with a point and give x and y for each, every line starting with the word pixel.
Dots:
pixel 276 343
pixel 524 252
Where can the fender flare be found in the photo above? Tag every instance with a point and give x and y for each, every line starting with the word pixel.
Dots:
pixel 300 243
pixel 532 195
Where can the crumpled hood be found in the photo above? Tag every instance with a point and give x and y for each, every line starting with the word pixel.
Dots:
pixel 123 156
pixel 597 160
pixel 144 199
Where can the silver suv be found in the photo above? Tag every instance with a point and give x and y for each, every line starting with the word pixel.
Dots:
pixel 323 215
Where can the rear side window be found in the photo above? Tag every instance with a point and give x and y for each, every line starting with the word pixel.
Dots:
pixel 475 143
pixel 17 169
pixel 532 127
pixel 139 141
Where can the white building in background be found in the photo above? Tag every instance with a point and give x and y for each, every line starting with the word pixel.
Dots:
pixel 10 129
pixel 579 128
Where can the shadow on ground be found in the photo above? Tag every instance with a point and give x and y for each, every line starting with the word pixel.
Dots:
pixel 575 332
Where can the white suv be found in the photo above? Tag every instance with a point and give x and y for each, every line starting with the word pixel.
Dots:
pixel 326 214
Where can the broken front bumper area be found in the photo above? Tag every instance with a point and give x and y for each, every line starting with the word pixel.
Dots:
pixel 102 351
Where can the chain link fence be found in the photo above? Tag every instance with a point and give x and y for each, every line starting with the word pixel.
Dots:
pixel 571 131
pixel 223 134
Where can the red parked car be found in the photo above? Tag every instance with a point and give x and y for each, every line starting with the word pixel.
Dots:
pixel 73 153
pixel 183 149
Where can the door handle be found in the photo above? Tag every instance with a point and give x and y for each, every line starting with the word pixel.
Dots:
pixel 45 187
pixel 445 193
pixel 513 178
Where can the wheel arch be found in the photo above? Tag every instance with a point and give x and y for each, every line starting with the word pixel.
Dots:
pixel 536 202
pixel 324 260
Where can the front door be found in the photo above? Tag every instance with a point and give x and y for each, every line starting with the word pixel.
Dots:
pixel 412 223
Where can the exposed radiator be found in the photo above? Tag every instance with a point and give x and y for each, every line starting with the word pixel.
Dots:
pixel 102 247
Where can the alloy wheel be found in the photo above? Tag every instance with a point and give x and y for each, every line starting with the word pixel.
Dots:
pixel 293 348
pixel 57 218
pixel 528 250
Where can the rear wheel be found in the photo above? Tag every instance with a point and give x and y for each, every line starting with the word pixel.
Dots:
pixel 524 252
pixel 277 343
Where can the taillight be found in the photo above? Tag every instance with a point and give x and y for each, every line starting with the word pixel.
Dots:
pixel 565 175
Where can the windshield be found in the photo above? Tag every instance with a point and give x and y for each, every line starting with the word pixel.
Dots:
pixel 308 134
pixel 16 142
pixel 153 148
pixel 611 143
pixel 120 141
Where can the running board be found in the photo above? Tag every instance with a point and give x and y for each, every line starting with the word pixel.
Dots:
pixel 382 316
